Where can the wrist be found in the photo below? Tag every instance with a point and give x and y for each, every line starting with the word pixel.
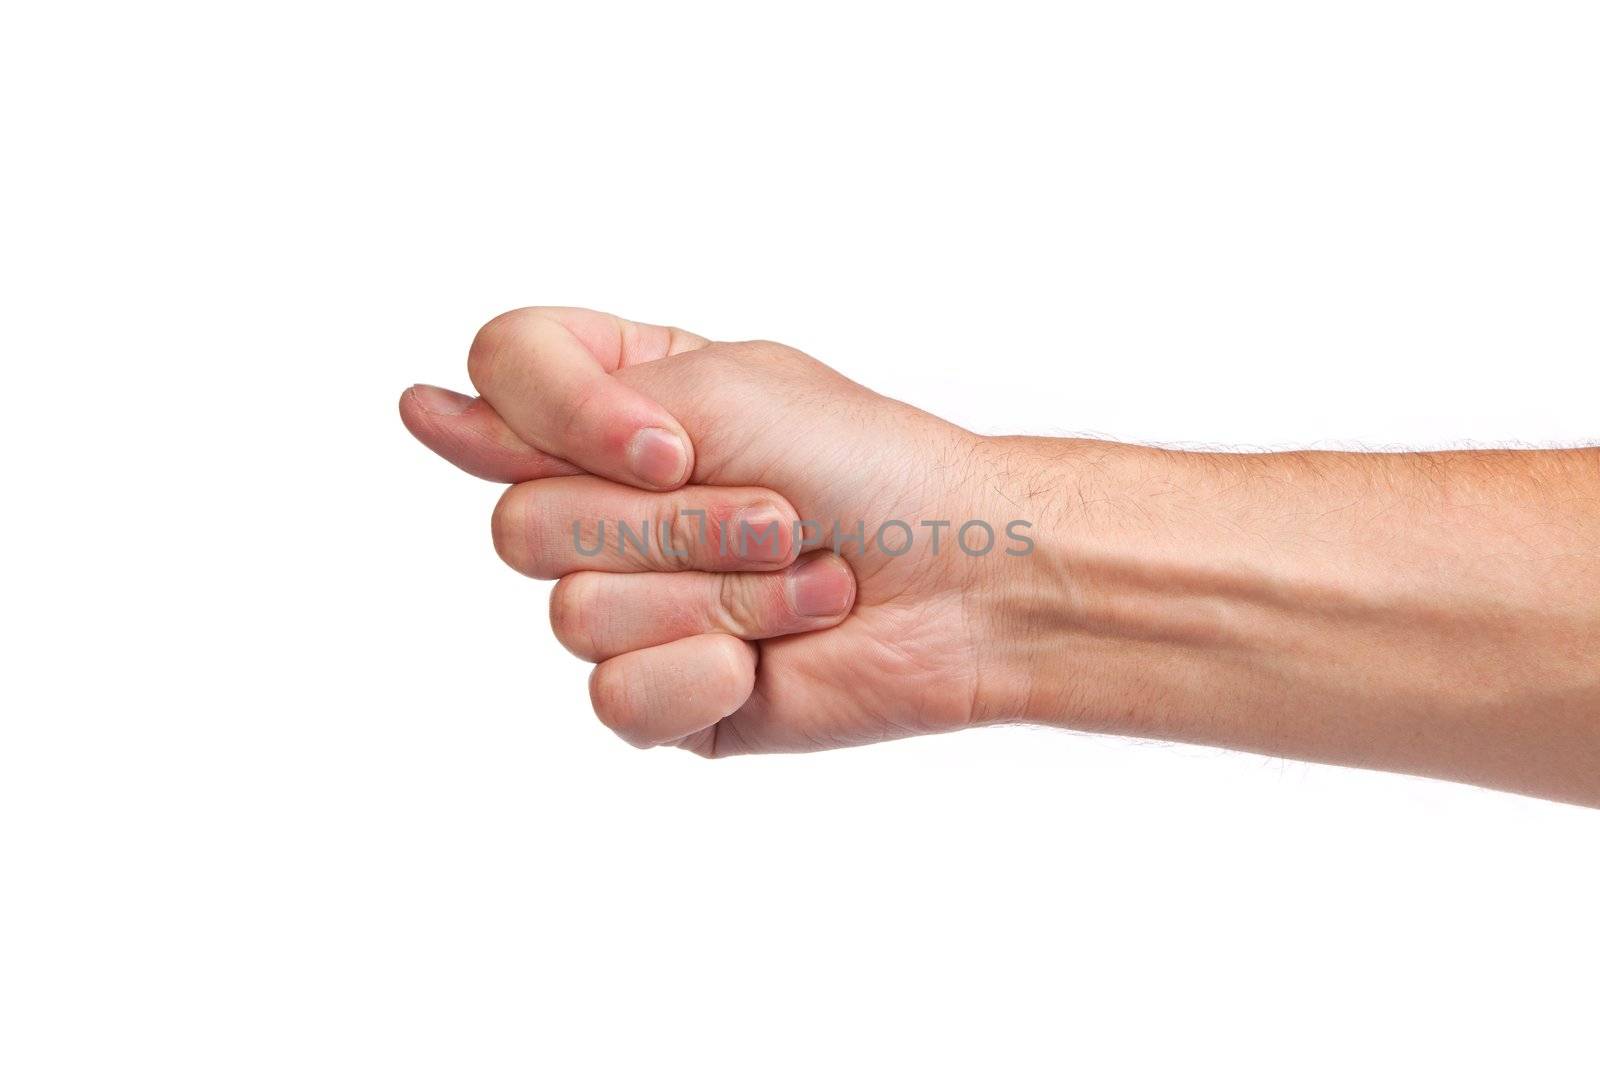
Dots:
pixel 1037 620
pixel 1119 619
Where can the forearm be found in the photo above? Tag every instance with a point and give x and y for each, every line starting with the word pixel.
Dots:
pixel 1436 613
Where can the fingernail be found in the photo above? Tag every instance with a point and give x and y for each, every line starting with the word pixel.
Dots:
pixel 658 457
pixel 821 587
pixel 440 401
pixel 758 535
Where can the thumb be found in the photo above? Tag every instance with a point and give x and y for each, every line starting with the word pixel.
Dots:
pixel 552 403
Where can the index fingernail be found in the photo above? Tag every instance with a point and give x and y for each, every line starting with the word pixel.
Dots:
pixel 657 457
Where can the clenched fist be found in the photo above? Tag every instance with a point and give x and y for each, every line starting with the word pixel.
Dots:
pixel 761 554
pixel 764 556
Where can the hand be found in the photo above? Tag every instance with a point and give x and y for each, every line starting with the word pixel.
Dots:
pixel 1433 613
pixel 912 652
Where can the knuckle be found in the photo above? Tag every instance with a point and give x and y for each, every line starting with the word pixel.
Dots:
pixel 767 351
pixel 503 334
pixel 770 357
pixel 719 362
pixel 737 609
pixel 678 532
pixel 517 534
pixel 570 614
pixel 491 339
pixel 770 367
pixel 612 699
pixel 503 525
pixel 733 671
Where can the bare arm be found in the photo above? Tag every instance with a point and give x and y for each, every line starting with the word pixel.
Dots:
pixel 1435 613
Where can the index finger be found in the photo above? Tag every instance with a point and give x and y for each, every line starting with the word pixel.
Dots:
pixel 548 373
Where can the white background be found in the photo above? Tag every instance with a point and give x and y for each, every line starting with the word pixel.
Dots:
pixel 291 769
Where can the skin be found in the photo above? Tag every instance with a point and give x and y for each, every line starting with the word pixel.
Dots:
pixel 1434 613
